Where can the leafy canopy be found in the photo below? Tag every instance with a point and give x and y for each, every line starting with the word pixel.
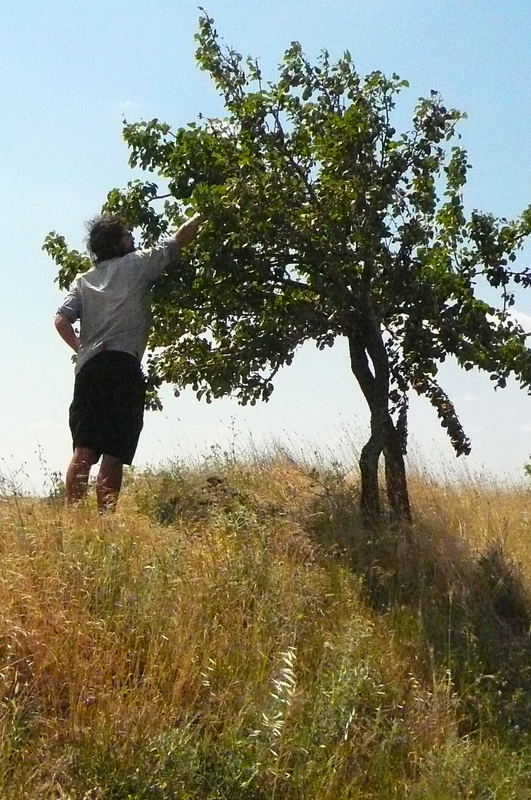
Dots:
pixel 315 204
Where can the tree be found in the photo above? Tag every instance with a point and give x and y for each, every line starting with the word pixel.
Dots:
pixel 323 222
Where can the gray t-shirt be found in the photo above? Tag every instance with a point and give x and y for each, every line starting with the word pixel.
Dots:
pixel 113 301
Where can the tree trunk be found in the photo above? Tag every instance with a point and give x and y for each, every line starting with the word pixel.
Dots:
pixel 370 490
pixel 395 477
pixel 384 436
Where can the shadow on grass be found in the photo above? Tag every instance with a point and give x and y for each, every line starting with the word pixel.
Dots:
pixel 467 615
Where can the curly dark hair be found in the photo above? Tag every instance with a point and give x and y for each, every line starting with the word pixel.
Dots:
pixel 104 236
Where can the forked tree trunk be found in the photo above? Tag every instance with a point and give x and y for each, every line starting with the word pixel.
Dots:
pixel 384 439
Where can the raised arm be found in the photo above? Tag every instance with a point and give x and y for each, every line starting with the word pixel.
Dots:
pixel 188 230
pixel 156 259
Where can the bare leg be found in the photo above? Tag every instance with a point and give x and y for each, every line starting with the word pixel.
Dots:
pixel 108 483
pixel 77 474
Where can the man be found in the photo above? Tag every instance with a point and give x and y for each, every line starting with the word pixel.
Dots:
pixel 112 302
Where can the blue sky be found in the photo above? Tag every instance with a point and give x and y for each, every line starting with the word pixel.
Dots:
pixel 72 71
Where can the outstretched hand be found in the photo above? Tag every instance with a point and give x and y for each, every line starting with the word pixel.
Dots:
pixel 188 230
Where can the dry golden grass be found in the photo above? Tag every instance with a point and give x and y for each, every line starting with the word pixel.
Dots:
pixel 480 514
pixel 261 644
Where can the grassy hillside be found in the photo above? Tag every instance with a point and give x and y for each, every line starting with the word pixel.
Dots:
pixel 232 633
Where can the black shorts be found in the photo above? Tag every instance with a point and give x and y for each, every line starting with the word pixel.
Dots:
pixel 107 412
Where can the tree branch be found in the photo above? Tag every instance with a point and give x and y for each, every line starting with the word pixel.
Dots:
pixel 360 368
pixel 289 156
